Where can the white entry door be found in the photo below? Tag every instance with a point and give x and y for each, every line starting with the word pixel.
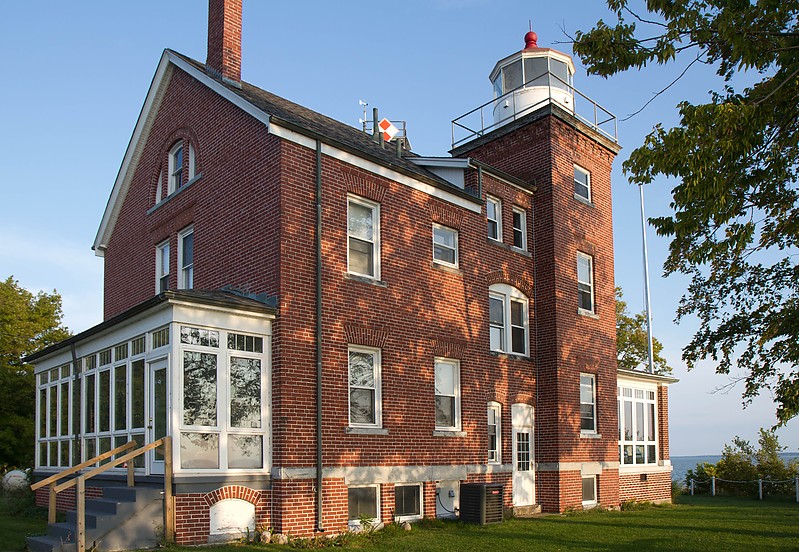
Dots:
pixel 156 422
pixel 523 459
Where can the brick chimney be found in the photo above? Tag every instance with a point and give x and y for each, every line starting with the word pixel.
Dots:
pixel 224 39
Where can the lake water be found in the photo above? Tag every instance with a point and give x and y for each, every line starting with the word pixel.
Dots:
pixel 681 464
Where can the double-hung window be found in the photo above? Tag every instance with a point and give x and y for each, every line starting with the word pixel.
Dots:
pixel 176 167
pixel 585 282
pixel 447 386
pixel 519 229
pixel 364 387
pixel 186 258
pixel 162 267
pixel 508 320
pixel 494 216
pixel 363 235
pixel 494 432
pixel 445 245
pixel 582 183
pixel 587 403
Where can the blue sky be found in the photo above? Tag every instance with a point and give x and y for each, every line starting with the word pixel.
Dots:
pixel 76 74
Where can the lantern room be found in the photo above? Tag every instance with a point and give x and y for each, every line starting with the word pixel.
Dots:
pixel 531 78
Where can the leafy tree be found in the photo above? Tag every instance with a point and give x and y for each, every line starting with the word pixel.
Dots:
pixel 735 227
pixel 632 342
pixel 28 323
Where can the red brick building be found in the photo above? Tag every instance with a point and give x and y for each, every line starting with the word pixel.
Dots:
pixel 331 327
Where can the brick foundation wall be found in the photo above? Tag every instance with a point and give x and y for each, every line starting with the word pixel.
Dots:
pixel 65 500
pixel 650 487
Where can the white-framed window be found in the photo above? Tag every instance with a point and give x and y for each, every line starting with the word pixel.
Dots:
pixel 637 425
pixel 520 228
pixel 363 237
pixel 186 258
pixel 494 216
pixel 162 267
pixel 589 491
pixel 447 388
pixel 363 502
pixel 494 432
pixel 364 387
pixel 587 403
pixel 508 319
pixel 176 167
pixel 585 282
pixel 582 183
pixel 408 502
pixel 445 245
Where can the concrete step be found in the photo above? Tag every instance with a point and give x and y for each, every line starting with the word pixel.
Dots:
pixel 526 511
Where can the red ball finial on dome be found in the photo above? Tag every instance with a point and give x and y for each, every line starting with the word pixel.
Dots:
pixel 530 40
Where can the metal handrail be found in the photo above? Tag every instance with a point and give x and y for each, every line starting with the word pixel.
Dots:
pixel 596 123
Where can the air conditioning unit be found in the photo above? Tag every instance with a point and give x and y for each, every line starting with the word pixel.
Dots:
pixel 481 502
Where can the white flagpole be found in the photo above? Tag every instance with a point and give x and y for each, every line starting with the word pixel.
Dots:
pixel 651 366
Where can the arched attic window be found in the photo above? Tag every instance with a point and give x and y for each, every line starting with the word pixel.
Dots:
pixel 508 320
pixel 181 169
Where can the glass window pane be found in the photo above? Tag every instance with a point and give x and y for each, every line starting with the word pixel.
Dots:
pixel 199 451
pixel 444 236
pixel 105 446
pixel 360 223
pixel 445 411
pixel 639 454
pixel 64 454
pixel 120 397
pixel 362 502
pixel 64 408
pixel 361 258
pixel 445 378
pixel 589 489
pixel 53 445
pixel 628 420
pixel 651 458
pixel 245 451
pixel 245 392
pixel 362 373
pixel 104 401
pixel 535 71
pixel 561 71
pixel 497 336
pixel 443 254
pixel 518 344
pixel 137 393
pixel 199 389
pixel 584 269
pixel 513 75
pixel 628 454
pixel 159 416
pixel 90 411
pixel 188 249
pixel 42 413
pixel 362 406
pixel 639 421
pixel 496 311
pixel 406 500
pixel 52 409
pixel 517 313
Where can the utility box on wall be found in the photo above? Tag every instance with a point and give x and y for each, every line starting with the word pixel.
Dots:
pixel 481 502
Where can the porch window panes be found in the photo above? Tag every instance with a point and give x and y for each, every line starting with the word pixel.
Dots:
pixel 637 426
pixel 199 451
pixel 63 422
pixel 241 342
pixel 137 393
pixel 90 411
pixel 245 451
pixel 120 397
pixel 104 403
pixel 199 389
pixel 43 413
pixel 245 392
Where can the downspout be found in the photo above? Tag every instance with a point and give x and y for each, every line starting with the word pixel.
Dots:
pixel 77 413
pixel 319 466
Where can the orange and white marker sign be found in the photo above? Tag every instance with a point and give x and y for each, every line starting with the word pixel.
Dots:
pixel 389 130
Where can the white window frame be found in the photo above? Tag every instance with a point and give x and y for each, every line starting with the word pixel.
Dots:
pixel 161 269
pixel 375 208
pixel 588 381
pixel 591 502
pixel 581 285
pixel 587 184
pixel 356 523
pixel 174 170
pixel 497 203
pixel 159 188
pixel 420 515
pixel 495 454
pixel 376 362
pixel 456 392
pixel 522 229
pixel 509 295
pixel 638 393
pixel 185 272
pixel 445 246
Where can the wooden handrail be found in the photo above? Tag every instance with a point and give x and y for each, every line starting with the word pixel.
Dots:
pixel 69 471
pixel 108 465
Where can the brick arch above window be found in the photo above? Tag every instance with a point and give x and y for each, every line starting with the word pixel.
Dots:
pixel 450 348
pixel 232 491
pixel 445 215
pixel 162 184
pixel 360 186
pixel 512 278
pixel 363 335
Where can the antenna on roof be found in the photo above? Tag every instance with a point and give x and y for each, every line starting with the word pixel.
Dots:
pixel 362 120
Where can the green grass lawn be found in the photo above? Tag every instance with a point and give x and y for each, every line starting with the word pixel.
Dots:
pixel 702 524
pixel 14 527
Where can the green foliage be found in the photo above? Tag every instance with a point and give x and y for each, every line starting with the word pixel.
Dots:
pixel 735 227
pixel 741 465
pixel 632 342
pixel 28 323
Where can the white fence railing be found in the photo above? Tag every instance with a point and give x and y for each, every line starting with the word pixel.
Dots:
pixel 760 483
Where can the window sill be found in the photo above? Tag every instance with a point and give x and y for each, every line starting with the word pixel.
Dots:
pixel 590 435
pixel 501 354
pixel 521 251
pixel 583 200
pixel 587 313
pixel 366 431
pixel 446 268
pixel 448 433
pixel 365 280
pixel 168 198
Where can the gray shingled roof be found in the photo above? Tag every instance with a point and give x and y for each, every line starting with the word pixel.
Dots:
pixel 310 122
